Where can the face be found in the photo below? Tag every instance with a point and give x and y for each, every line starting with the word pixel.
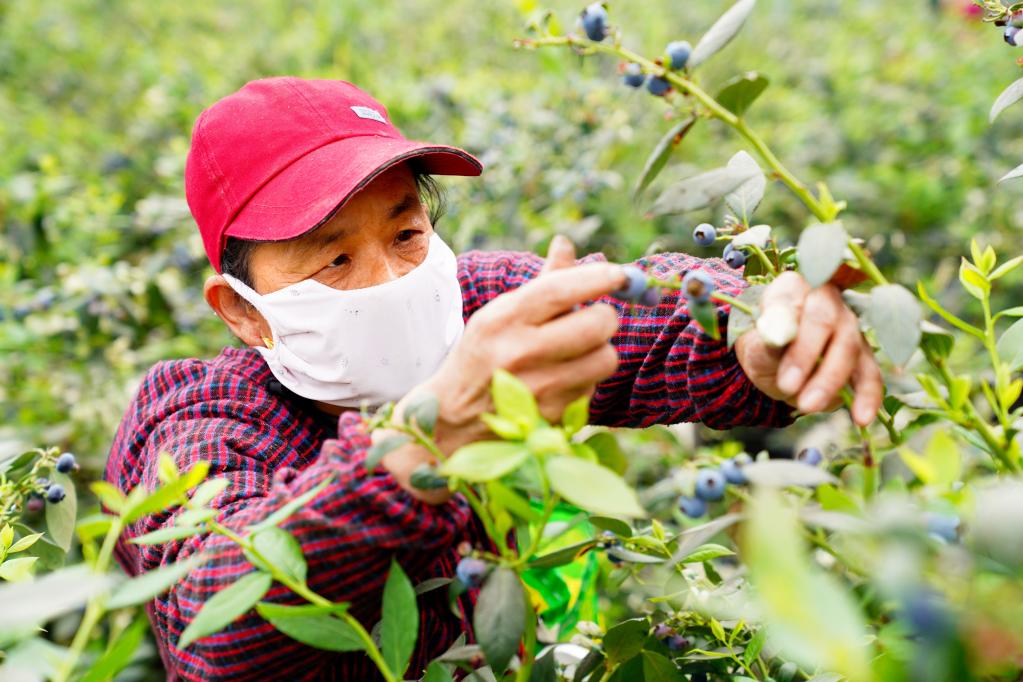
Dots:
pixel 382 233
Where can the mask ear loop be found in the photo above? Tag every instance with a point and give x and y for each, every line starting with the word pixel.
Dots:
pixel 247 293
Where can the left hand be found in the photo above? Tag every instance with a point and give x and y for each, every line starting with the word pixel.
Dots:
pixel 828 352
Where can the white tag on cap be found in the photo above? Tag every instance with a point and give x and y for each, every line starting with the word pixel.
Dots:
pixel 368 112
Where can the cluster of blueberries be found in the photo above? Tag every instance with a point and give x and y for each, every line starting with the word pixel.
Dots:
pixel 676 55
pixel 711 483
pixel 1013 33
pixel 705 234
pixel 54 492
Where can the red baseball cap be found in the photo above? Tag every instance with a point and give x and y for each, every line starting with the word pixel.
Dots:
pixel 280 156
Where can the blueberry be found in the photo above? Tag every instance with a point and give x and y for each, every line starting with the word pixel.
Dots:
pixel 927 615
pixel 943 526
pixel 633 76
pixel 658 86
pixel 733 469
pixel 614 558
pixel 710 485
pixel 705 234
pixel 697 286
pixel 594 21
pixel 66 463
pixel 663 631
pixel 55 493
pixel 471 571
pixel 651 297
pixel 1011 35
pixel 678 53
pixel 35 504
pixel 677 643
pixel 634 288
pixel 811 456
pixel 608 539
pixel 734 257
pixel 693 507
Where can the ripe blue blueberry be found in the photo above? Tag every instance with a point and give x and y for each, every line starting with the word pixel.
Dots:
pixel 733 469
pixel 1011 35
pixel 651 297
pixel 633 76
pixel 66 463
pixel 663 631
pixel 635 285
pixel 678 53
pixel 693 507
pixel 927 615
pixel 55 493
pixel 710 485
pixel 657 86
pixel 697 286
pixel 594 21
pixel 943 526
pixel 677 643
pixel 812 456
pixel 705 234
pixel 734 257
pixel 614 557
pixel 470 572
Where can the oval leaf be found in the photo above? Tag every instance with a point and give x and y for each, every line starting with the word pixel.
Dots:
pixel 484 461
pixel 60 518
pixel 895 316
pixel 592 487
pixel 281 549
pixel 1009 96
pixel 744 200
pixel 820 251
pixel 399 626
pixel 1010 345
pixel 1013 174
pixel 321 631
pixel 226 606
pixel 500 617
pixel 740 92
pixel 700 190
pixel 721 33
pixel 513 399
pixel 661 153
pixel 152 584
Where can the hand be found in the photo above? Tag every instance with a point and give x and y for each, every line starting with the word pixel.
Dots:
pixel 828 332
pixel 539 332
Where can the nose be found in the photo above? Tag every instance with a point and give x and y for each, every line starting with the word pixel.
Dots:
pixel 384 266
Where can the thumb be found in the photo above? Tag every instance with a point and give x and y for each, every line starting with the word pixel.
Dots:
pixel 560 255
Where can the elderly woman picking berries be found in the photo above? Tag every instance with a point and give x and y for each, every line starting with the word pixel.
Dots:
pixel 329 268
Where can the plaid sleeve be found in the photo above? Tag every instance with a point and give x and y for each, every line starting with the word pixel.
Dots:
pixel 349 532
pixel 670 370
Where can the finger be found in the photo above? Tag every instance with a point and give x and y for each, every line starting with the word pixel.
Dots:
pixel 559 290
pixel 560 254
pixel 821 311
pixel 576 333
pixel 552 383
pixel 836 367
pixel 867 386
pixel 789 289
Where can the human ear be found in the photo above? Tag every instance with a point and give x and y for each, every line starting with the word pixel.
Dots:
pixel 239 315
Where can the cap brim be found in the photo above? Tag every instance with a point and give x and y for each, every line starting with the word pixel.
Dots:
pixel 315 186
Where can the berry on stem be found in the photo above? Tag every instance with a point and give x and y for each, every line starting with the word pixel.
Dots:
pixel 1012 36
pixel 635 285
pixel 594 21
pixel 35 504
pixel 697 286
pixel 663 631
pixel 66 463
pixel 735 258
pixel 812 456
pixel 705 234
pixel 55 493
pixel 633 75
pixel 678 53
pixel 710 485
pixel 733 469
pixel 658 86
pixel 471 571
pixel 678 643
pixel 693 507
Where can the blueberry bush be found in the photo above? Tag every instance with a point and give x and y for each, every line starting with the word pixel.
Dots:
pixel 884 553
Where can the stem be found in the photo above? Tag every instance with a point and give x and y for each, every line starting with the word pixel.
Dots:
pixel 95 608
pixel 481 512
pixel 866 264
pixel 759 252
pixel 996 364
pixel 528 645
pixel 733 301
pixel 538 537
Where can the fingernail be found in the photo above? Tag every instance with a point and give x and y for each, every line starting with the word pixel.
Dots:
pixel 790 380
pixel 558 241
pixel 812 400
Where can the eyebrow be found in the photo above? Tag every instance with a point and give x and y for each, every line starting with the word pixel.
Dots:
pixel 408 203
pixel 318 239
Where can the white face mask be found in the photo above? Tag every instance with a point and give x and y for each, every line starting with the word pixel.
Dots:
pixel 368 345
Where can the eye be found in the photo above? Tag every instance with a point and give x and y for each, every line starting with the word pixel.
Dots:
pixel 406 235
pixel 340 260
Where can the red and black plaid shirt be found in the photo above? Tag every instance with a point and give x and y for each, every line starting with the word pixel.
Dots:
pixel 272 446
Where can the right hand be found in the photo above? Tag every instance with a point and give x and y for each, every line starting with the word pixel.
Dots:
pixel 543 333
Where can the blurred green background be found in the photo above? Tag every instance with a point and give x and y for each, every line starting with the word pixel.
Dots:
pixel 101 267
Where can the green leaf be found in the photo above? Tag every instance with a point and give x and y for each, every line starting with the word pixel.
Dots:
pixel 738 321
pixel 706 553
pixel 609 452
pixel 6 538
pixel 92 526
pixel 484 460
pixel 706 314
pixel 16 570
pixel 207 491
pixel 119 653
pixel 513 400
pixel 281 550
pixel 274 611
pixel 500 617
pixel 785 472
pixel 108 494
pixel 700 191
pixel 24 543
pixel 380 448
pixel 512 501
pixel 194 517
pixel 563 556
pixel 291 507
pixel 935 341
pixel 399 626
pixel 576 414
pixel 166 469
pixel 721 33
pixel 422 411
pixel 1007 98
pixel 616 526
pixel 657 668
pixel 18 461
pixel 1011 312
pixel 506 429
pixel 163 535
pixel 1005 268
pixel 226 606
pixel 754 647
pixel 821 249
pixel 150 585
pixel 1010 346
pixel 320 631
pixel 545 669
pixel 592 487
pixel 832 498
pixel 437 673
pixel 629 671
pixel 625 640
pixel 141 503
pixel 739 93
pixel 895 316
pixel 27 605
pixel 661 153
pixel 60 518
pixel 745 199
pixel 943 454
pixel 975 283
pixel 1012 175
